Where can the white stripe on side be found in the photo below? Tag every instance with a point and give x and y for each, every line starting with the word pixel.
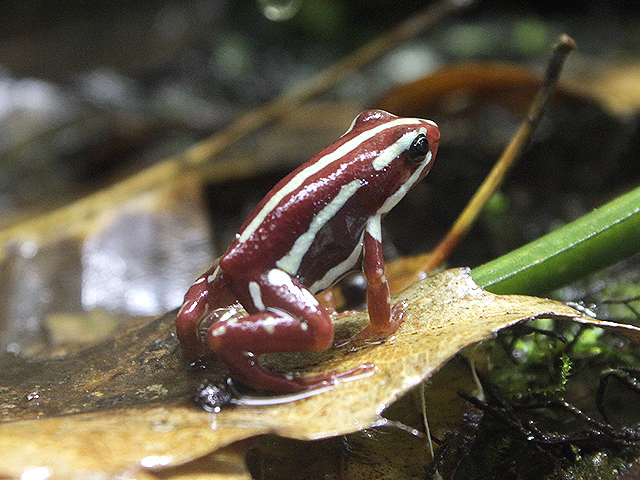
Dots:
pixel 321 163
pixel 393 200
pixel 291 261
pixel 374 227
pixel 256 296
pixel 338 270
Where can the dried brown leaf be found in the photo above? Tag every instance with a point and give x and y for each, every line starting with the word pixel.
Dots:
pixel 445 313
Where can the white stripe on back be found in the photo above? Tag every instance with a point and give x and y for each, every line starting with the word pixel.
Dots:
pixel 335 272
pixel 321 163
pixel 392 151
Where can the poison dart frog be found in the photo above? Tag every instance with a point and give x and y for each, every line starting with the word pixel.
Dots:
pixel 313 227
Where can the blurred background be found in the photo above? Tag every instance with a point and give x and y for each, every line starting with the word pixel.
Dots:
pixel 94 92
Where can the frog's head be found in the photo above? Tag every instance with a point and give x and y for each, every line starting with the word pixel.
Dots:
pixel 411 140
pixel 401 150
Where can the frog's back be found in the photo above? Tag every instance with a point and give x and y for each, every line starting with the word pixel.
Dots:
pixel 311 223
pixel 303 230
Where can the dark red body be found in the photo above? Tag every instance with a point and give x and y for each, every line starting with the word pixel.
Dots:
pixel 312 228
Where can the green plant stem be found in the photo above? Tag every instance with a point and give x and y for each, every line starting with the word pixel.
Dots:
pixel 599 239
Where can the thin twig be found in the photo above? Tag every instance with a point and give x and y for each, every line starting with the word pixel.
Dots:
pixel 512 152
pixel 65 220
pixel 290 100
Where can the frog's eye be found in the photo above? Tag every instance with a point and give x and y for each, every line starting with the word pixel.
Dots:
pixel 418 149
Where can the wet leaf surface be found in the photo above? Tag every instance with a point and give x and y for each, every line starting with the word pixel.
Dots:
pixel 132 396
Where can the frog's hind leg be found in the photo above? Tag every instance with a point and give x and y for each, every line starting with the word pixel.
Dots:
pixel 206 294
pixel 285 317
pixel 245 367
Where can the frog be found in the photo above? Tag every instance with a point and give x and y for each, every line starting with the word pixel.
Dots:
pixel 319 223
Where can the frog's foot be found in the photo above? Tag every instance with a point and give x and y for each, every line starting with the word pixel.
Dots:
pixel 377 333
pixel 245 368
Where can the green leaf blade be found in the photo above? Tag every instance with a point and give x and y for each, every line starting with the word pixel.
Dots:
pixel 597 240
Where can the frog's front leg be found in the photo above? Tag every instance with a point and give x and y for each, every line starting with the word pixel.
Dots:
pixel 284 317
pixel 383 318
